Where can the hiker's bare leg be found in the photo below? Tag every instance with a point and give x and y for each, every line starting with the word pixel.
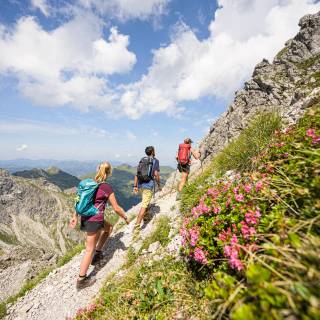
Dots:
pixel 183 181
pixel 91 241
pixel 105 233
pixel 141 214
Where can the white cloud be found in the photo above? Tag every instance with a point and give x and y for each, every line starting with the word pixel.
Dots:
pixel 117 155
pixel 42 5
pixel 128 9
pixel 131 136
pixel 70 65
pixel 22 147
pixel 67 65
pixel 241 34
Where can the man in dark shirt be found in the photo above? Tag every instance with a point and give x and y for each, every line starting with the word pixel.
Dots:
pixel 146 188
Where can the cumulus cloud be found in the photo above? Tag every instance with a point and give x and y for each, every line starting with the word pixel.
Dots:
pixel 42 5
pixel 71 64
pixel 241 34
pixel 128 9
pixel 22 147
pixel 67 65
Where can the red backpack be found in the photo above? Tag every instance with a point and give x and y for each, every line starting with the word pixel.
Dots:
pixel 184 153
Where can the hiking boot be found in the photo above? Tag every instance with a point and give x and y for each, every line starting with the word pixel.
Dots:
pixel 84 282
pixel 98 256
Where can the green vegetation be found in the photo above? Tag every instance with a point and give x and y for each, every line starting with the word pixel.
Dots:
pixel 7 238
pixel 3 310
pixel 161 291
pixel 161 234
pixel 316 76
pixel 281 52
pixel 262 255
pixel 240 154
pixel 309 62
pixel 30 284
pixel 69 255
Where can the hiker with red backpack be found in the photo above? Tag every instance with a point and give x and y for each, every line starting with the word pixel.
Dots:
pixel 148 173
pixel 183 157
pixel 92 197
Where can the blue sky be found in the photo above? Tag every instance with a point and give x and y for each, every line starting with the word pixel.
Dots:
pixel 93 79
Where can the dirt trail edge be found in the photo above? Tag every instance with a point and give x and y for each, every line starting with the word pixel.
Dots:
pixel 57 298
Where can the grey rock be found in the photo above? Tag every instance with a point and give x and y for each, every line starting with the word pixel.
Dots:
pixel 154 247
pixel 285 85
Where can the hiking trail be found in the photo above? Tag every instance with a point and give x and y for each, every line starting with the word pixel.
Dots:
pixel 56 297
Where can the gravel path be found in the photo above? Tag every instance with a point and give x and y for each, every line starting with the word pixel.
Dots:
pixel 57 298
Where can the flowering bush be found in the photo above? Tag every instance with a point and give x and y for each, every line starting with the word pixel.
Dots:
pixel 224 222
pixel 259 231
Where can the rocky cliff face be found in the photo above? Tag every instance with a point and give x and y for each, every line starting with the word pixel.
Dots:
pixel 33 228
pixel 290 85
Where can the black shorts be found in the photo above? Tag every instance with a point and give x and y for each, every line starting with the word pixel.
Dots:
pixel 91 226
pixel 183 167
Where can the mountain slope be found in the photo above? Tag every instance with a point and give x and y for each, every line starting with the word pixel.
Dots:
pixel 298 89
pixel 34 215
pixel 290 85
pixel 54 175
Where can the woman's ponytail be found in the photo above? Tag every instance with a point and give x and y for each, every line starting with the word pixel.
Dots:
pixel 103 172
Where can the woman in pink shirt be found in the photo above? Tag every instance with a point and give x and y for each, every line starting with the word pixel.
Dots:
pixel 96 228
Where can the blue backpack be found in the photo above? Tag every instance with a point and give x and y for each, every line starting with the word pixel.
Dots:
pixel 86 192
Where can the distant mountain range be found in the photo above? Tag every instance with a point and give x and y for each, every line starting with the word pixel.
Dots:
pixel 74 167
pixel 121 179
pixel 54 175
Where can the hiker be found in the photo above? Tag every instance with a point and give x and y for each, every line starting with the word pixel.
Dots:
pixel 148 172
pixel 183 157
pixel 96 228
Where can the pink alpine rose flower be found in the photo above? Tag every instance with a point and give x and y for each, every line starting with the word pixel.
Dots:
pixel 200 256
pixel 234 239
pixel 239 197
pixel 310 133
pixel 247 188
pixel 216 209
pixel 194 235
pixel 259 185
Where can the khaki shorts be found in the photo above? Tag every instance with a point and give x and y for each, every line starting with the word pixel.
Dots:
pixel 146 198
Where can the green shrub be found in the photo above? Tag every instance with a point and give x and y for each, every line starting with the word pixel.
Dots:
pixel 3 310
pixel 192 192
pixel 7 238
pixel 161 233
pixel 240 154
pixel 159 290
pixel 69 255
pixel 260 231
pixel 131 257
pixel 309 62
